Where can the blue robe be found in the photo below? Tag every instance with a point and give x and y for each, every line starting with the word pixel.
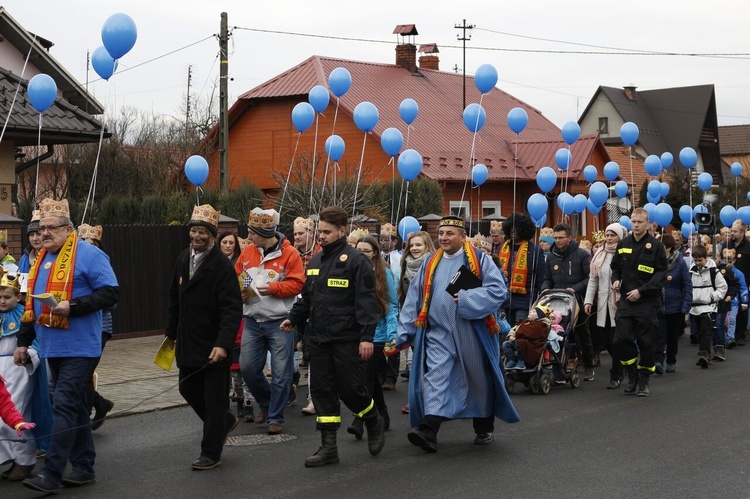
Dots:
pixel 456 368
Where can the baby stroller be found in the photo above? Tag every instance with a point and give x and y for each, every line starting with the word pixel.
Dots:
pixel 547 364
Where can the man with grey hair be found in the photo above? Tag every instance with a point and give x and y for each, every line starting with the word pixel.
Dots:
pixel 741 245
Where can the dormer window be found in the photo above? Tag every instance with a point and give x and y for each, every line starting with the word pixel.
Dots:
pixel 604 126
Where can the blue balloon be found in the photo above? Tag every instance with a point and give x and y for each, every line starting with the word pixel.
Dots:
pixel 688 229
pixel 42 92
pixel 540 222
pixel 625 222
pixel 688 158
pixel 590 173
pixel 485 78
pixel 654 188
pixel 408 109
pixel 339 81
pixel 479 174
pixel 652 199
pixel 566 203
pixel 579 201
pixel 664 189
pixel 196 169
pixel 392 141
pixel 547 178
pixel 744 214
pixel 728 215
pixel 335 147
pixel 366 116
pixel 736 169
pixel 119 34
pixel 563 158
pixel 474 117
pixel 699 208
pixel 593 209
pixel 629 133
pixel 318 98
pixel 621 189
pixel 537 205
pixel 686 213
pixel 651 209
pixel 748 195
pixel 598 193
pixel 409 164
pixel 663 214
pixel 570 132
pixel 406 226
pixel 611 171
pixel 704 181
pixel 652 165
pixel 103 63
pixel 666 160
pixel 517 119
pixel 303 116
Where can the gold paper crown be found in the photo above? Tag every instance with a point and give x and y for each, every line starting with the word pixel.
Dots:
pixel 388 230
pixel 206 213
pixel 86 231
pixel 547 231
pixel 263 219
pixel 357 234
pixel 452 222
pixel 51 208
pixel 481 242
pixel 10 281
pixel 496 225
pixel 4 236
pixel 243 242
pixel 36 216
pixel 598 236
pixel 305 223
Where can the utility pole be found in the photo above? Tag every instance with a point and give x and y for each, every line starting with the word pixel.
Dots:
pixel 223 106
pixel 464 38
pixel 187 103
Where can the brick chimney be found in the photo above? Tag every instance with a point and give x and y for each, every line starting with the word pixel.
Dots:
pixel 630 93
pixel 429 58
pixel 406 56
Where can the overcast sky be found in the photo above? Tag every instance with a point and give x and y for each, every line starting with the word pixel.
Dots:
pixel 558 84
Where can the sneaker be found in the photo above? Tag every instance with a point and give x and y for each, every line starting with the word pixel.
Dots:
pixel 703 359
pixel 78 477
pixel 614 384
pixel 658 368
pixel 719 353
pixel 309 409
pixel 292 396
pixel 589 374
pixel 511 364
pixel 731 343
pixel 671 368
pixel 41 483
pixel 520 365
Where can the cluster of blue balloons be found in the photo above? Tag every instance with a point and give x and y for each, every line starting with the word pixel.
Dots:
pixel 196 170
pixel 661 213
pixel 119 35
pixel 656 191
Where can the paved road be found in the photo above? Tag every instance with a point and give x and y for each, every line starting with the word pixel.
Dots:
pixel 689 439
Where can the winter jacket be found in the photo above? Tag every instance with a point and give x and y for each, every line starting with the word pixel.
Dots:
pixel 742 256
pixel 640 264
pixel 568 269
pixel 385 331
pixel 678 290
pixel 338 299
pixel 733 287
pixel 280 266
pixel 705 294
pixel 742 297
pixel 600 295
pixel 8 412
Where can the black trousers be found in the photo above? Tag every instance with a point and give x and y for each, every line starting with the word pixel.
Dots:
pixel 338 372
pixel 374 384
pixel 95 400
pixel 739 333
pixel 205 390
pixel 481 425
pixel 671 328
pixel 635 333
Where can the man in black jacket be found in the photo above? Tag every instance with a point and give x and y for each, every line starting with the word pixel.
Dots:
pixel 568 268
pixel 205 310
pixel 340 305
pixel 739 243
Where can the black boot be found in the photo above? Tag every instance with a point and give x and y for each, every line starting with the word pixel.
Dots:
pixel 375 434
pixel 102 408
pixel 328 453
pixel 356 428
pixel 643 385
pixel 632 380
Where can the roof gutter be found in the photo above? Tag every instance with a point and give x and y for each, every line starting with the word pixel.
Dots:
pixel 40 158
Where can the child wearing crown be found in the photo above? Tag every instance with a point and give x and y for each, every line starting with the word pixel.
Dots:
pixel 16 404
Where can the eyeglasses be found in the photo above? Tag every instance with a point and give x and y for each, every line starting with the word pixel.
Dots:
pixel 50 228
pixel 366 251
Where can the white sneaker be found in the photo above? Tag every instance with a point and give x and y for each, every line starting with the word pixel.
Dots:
pixel 309 409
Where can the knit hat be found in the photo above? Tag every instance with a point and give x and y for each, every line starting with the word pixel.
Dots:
pixel 617 229
pixel 547 239
pixel 556 317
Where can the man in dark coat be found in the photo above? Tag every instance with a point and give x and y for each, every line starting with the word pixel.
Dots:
pixel 205 310
pixel 741 245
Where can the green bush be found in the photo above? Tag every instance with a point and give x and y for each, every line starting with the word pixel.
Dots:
pixel 154 210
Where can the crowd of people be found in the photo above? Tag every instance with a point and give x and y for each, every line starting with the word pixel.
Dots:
pixel 355 306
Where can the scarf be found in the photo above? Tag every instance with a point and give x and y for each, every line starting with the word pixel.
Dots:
pixel 411 268
pixel 520 272
pixel 672 260
pixel 599 257
pixel 472 261
pixel 59 283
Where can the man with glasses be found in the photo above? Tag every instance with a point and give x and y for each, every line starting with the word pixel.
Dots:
pixel 497 235
pixel 80 279
pixel 389 248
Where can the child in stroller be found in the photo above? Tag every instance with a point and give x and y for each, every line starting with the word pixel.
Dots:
pixel 541 322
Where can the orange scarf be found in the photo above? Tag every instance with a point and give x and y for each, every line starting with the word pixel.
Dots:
pixel 472 260
pixel 59 283
pixel 520 272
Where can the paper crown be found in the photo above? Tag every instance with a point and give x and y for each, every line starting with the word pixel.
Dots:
pixel 51 208
pixel 481 242
pixel 598 236
pixel 544 309
pixel 206 213
pixel 243 242
pixel 9 280
pixel 496 225
pixel 357 234
pixel 388 230
pixel 263 219
pixel 547 231
pixel 305 223
pixel 3 236
pixel 36 215
pixel 452 221
pixel 86 231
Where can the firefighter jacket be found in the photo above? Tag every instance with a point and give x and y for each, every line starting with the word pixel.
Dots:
pixel 640 265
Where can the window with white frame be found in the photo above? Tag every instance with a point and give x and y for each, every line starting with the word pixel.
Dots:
pixel 490 208
pixel 460 209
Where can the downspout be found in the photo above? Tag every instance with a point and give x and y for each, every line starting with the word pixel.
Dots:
pixel 32 162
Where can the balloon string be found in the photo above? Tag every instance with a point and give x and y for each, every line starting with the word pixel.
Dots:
pixel 92 186
pixel 393 184
pixel 289 174
pixel 314 160
pixel 406 199
pixel 356 186
pixel 400 193
pixel 328 158
pixel 408 130
pixel 18 88
pixel 38 146
pixel 471 158
pixel 515 175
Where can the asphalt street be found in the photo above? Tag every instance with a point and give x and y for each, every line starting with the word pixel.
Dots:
pixel 690 438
